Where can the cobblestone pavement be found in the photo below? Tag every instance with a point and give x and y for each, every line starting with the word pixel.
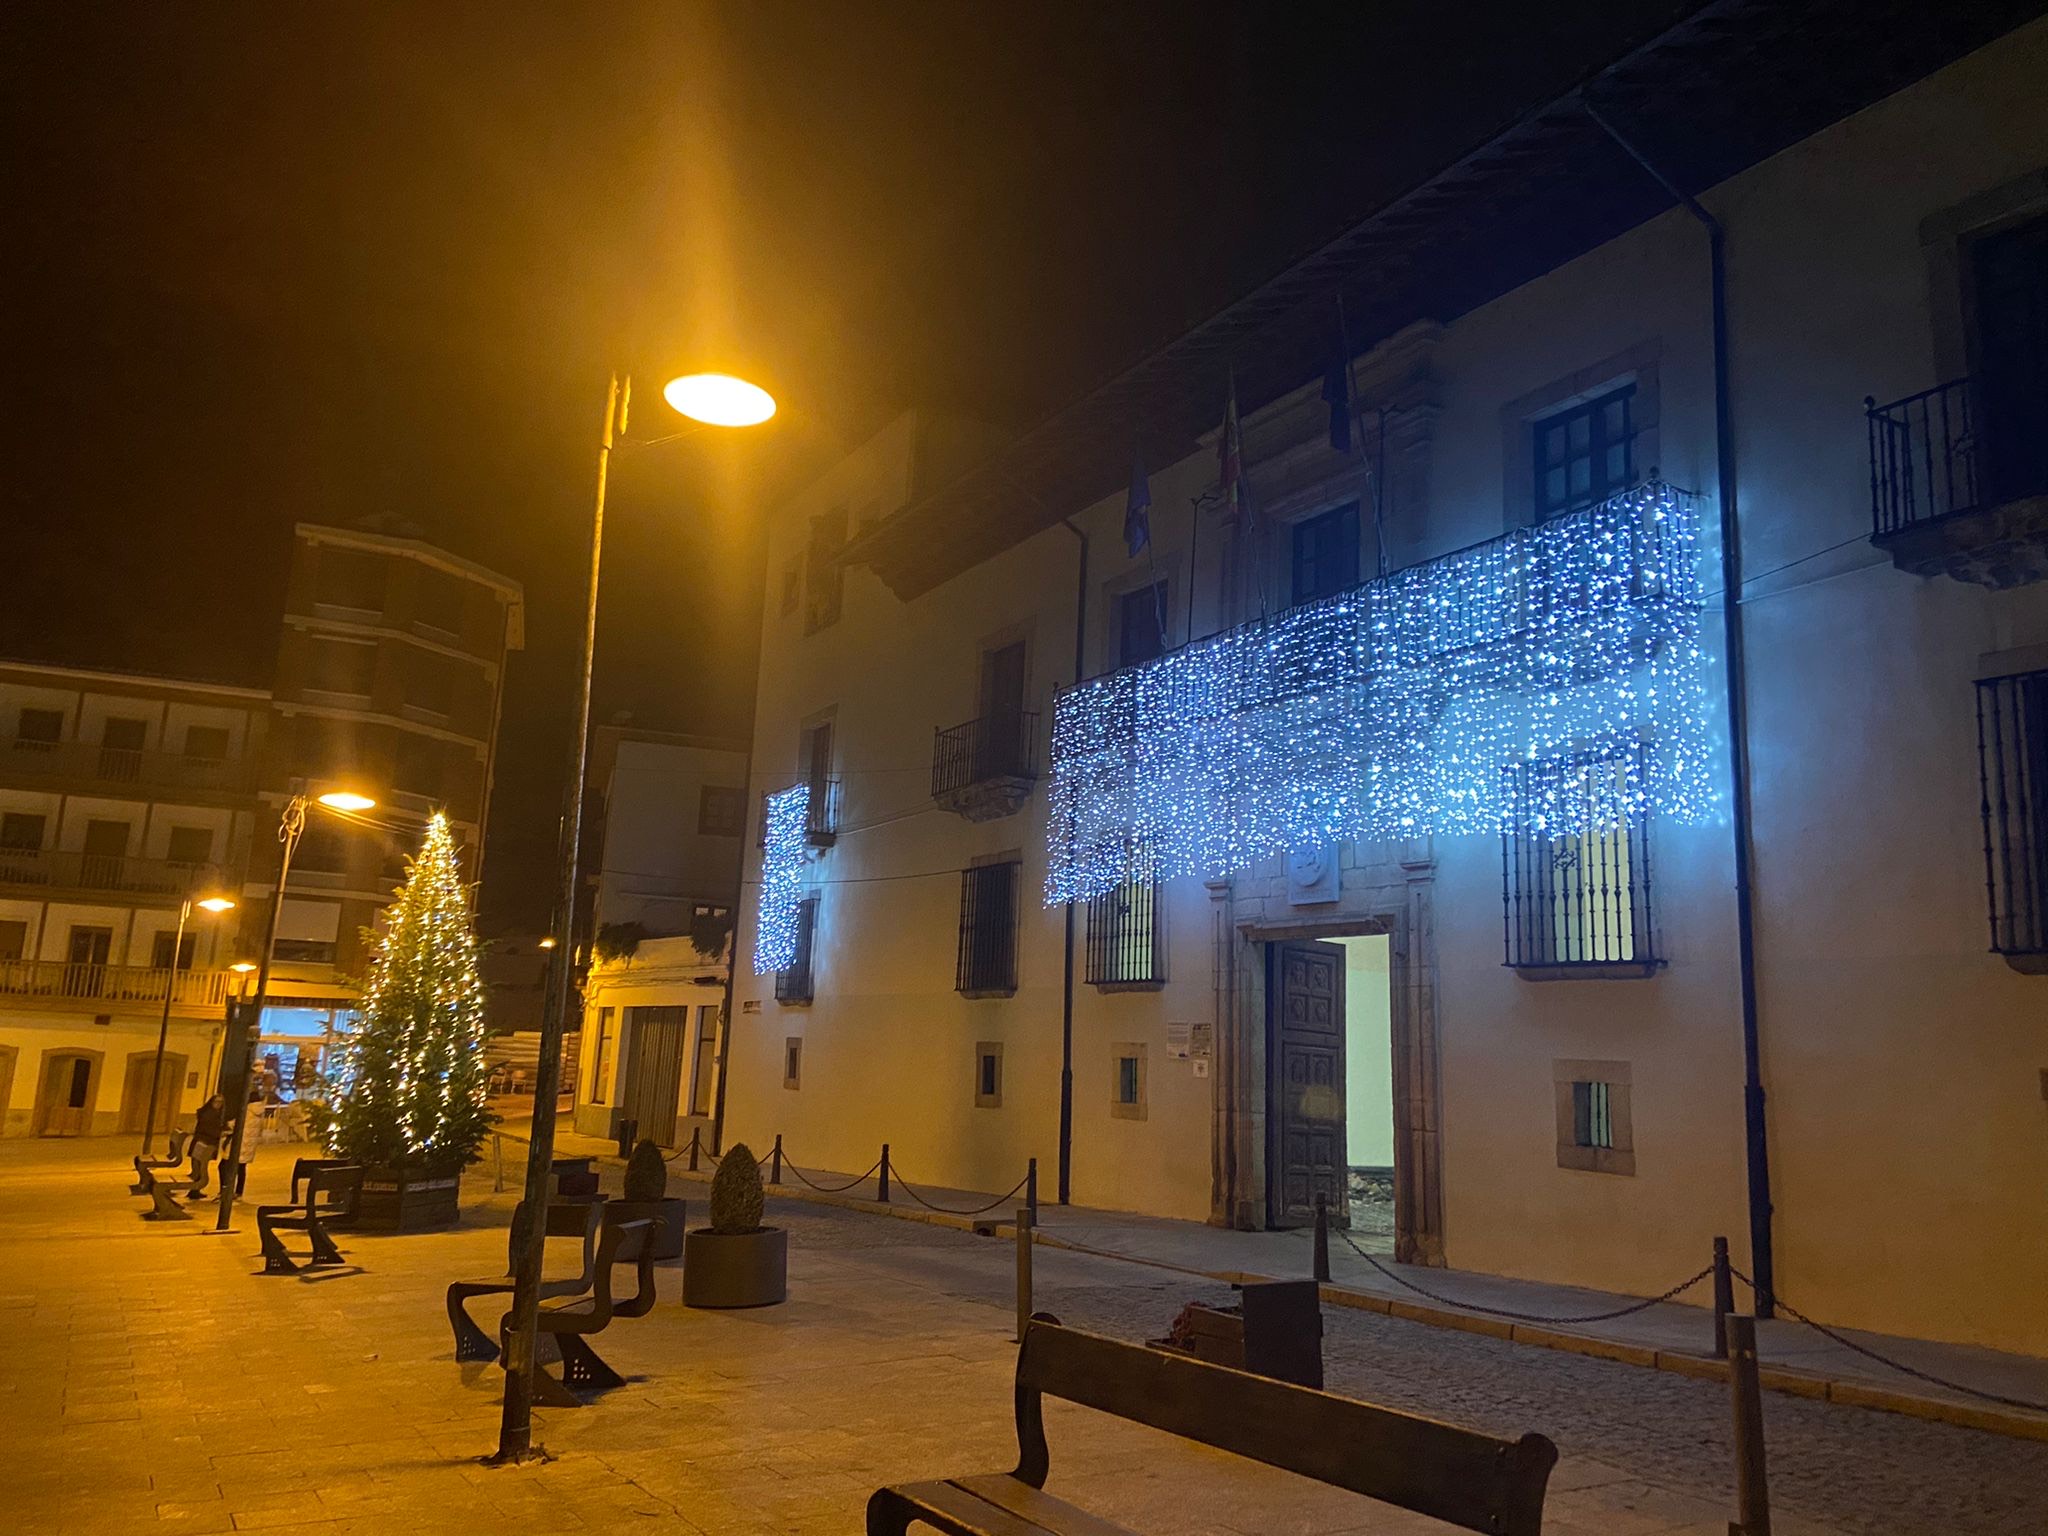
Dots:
pixel 153 1383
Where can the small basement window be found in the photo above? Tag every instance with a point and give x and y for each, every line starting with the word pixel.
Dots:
pixel 1127 1084
pixel 988 1075
pixel 792 1061
pixel 1594 1133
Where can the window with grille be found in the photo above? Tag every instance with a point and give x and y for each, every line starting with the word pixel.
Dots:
pixel 988 930
pixel 1581 897
pixel 1592 1115
pixel 1325 554
pixel 1124 947
pixel 824 576
pixel 1585 454
pixel 2012 764
pixel 793 983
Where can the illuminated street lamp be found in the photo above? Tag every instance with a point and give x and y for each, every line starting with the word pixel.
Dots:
pixel 215 905
pixel 290 825
pixel 713 400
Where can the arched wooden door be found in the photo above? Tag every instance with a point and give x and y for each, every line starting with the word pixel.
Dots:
pixel 135 1091
pixel 65 1095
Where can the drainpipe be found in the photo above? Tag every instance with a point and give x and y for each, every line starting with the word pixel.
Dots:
pixel 1754 1124
pixel 1066 1163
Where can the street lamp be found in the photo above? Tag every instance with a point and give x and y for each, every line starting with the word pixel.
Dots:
pixel 713 400
pixel 216 905
pixel 290 825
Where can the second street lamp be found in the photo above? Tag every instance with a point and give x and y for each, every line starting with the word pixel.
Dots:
pixel 712 400
pixel 213 904
pixel 290 826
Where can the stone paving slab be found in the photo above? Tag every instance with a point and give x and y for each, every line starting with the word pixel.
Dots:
pixel 333 1405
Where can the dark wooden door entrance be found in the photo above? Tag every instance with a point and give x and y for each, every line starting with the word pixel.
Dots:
pixel 654 1070
pixel 1305 1082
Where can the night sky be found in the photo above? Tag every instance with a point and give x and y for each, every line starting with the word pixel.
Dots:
pixel 269 264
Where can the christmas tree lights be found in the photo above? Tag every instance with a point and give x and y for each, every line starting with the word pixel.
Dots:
pixel 782 894
pixel 1400 707
pixel 408 1080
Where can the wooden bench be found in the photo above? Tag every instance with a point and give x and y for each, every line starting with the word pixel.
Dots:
pixel 1439 1470
pixel 333 1191
pixel 566 1218
pixel 145 1167
pixel 571 1320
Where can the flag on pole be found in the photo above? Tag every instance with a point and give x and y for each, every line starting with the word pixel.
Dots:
pixel 1337 393
pixel 1137 521
pixel 1230 462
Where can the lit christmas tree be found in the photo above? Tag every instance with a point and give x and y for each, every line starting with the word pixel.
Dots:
pixel 408 1082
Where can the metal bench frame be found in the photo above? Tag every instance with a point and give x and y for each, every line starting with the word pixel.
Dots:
pixel 342 1187
pixel 566 1218
pixel 1441 1470
pixel 145 1167
pixel 571 1320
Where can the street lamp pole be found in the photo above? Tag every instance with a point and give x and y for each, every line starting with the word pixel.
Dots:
pixel 163 1026
pixel 515 1427
pixel 250 1016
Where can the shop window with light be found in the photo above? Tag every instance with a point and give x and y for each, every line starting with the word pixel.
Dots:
pixel 1577 901
pixel 1585 453
pixel 1325 554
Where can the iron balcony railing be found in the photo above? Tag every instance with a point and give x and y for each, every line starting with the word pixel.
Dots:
pixel 1580 898
pixel 70 869
pixel 793 983
pixel 821 815
pixel 85 761
pixel 2012 770
pixel 993 747
pixel 114 983
pixel 1924 456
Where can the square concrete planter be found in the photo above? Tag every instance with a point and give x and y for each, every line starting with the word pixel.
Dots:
pixel 735 1269
pixel 408 1200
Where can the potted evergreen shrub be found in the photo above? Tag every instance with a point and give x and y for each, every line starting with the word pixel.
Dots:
pixel 406 1094
pixel 647 1195
pixel 736 1262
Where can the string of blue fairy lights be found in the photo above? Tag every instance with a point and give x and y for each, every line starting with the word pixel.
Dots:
pixel 782 890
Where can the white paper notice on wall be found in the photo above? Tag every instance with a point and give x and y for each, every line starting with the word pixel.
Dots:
pixel 1202 1041
pixel 1177 1036
pixel 1201 1066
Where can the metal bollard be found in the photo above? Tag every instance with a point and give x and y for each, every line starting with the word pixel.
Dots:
pixel 775 1161
pixel 693 1148
pixel 1031 1188
pixel 1322 1256
pixel 1024 1225
pixel 498 1161
pixel 1724 1297
pixel 1752 1490
pixel 882 1183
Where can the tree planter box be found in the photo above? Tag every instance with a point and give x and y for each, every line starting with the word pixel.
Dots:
pixel 407 1201
pixel 668 1242
pixel 741 1269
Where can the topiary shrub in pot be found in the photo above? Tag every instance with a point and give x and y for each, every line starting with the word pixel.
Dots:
pixel 736 1261
pixel 647 1195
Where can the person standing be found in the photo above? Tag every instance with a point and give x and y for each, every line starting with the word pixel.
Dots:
pixel 207 1128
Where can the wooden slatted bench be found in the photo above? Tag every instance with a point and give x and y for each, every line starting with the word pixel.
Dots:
pixel 333 1192
pixel 1440 1470
pixel 572 1320
pixel 566 1218
pixel 145 1167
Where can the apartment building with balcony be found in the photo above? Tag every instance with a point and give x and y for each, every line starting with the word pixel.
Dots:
pixel 119 795
pixel 667 832
pixel 1398 822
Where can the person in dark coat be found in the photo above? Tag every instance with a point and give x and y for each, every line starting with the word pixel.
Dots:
pixel 208 1126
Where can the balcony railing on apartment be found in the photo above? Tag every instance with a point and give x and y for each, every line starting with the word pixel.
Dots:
pixel 69 869
pixel 2012 767
pixel 114 983
pixel 1124 948
pixel 86 761
pixel 1924 456
pixel 985 768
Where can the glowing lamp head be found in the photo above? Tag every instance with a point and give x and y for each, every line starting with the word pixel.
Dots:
pixel 719 400
pixel 548 943
pixel 346 800
pixel 215 904
pixel 243 967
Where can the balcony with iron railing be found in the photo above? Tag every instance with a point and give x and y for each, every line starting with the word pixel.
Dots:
pixel 985 768
pixel 58 980
pixel 73 870
pixel 87 762
pixel 1956 489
